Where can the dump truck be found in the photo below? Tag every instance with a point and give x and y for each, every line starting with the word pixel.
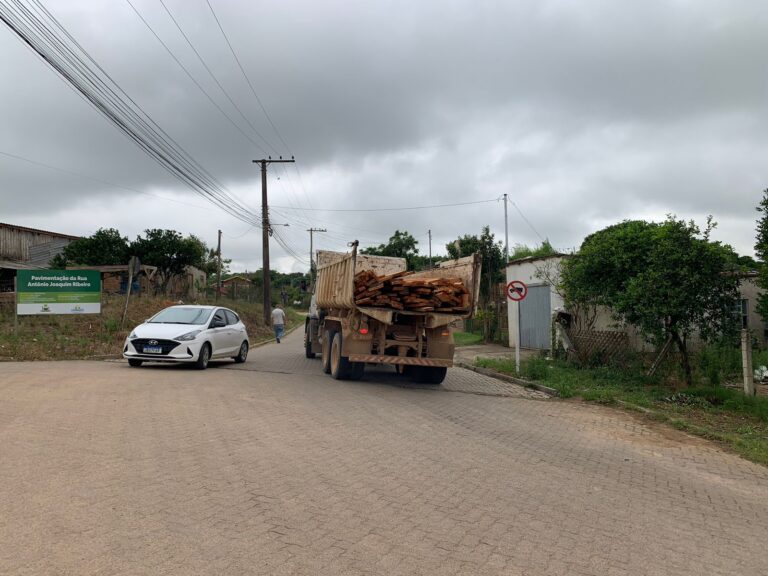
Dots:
pixel 347 335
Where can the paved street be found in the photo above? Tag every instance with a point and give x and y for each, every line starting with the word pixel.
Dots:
pixel 272 467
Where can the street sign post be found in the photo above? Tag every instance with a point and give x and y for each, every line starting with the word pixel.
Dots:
pixel 517 291
pixel 58 292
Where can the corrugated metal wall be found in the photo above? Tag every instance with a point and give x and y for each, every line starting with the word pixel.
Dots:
pixel 535 318
pixel 41 254
pixel 15 243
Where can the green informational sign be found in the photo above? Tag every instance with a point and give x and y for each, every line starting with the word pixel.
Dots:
pixel 58 292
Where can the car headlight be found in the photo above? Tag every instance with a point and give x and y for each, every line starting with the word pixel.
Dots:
pixel 188 336
pixel 132 336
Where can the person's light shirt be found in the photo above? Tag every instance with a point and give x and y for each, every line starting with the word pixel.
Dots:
pixel 278 316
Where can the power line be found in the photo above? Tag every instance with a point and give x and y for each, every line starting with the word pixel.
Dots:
pixel 387 209
pixel 526 221
pixel 99 180
pixel 37 28
pixel 247 79
pixel 307 196
pixel 248 230
pixel 215 79
pixel 191 77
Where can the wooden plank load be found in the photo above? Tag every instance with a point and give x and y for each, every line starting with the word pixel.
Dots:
pixel 403 292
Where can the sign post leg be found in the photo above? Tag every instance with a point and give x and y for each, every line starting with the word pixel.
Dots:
pixel 128 291
pixel 517 342
pixel 16 307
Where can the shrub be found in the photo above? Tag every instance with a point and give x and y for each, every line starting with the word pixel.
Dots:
pixel 535 369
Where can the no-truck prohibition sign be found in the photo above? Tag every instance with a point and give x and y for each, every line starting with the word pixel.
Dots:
pixel 517 290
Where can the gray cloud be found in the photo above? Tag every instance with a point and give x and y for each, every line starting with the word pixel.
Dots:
pixel 584 113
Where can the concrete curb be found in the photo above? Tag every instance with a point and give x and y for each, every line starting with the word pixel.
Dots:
pixel 630 406
pixel 511 379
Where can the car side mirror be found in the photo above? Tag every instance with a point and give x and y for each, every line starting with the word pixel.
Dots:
pixel 218 323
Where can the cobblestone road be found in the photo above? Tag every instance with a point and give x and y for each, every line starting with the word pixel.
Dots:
pixel 274 468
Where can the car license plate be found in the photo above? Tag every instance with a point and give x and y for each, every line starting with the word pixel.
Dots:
pixel 153 350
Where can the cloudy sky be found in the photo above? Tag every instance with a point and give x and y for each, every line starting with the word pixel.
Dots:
pixel 584 113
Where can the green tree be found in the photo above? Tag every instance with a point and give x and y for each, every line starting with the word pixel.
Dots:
pixel 170 252
pixel 667 279
pixel 492 252
pixel 104 247
pixel 211 266
pixel 400 245
pixel 761 250
pixel 421 262
pixel 525 251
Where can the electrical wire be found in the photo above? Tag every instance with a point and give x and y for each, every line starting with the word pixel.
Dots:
pixel 390 209
pixel 307 196
pixel 527 222
pixel 99 180
pixel 191 77
pixel 250 84
pixel 285 243
pixel 37 28
pixel 215 79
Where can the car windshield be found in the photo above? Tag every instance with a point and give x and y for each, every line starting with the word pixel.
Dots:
pixel 182 316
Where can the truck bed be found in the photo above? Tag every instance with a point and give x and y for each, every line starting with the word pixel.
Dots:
pixel 336 274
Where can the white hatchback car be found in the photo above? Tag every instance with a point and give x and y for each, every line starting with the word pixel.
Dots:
pixel 191 334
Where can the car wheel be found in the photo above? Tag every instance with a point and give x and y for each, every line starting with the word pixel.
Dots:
pixel 340 365
pixel 242 354
pixel 134 362
pixel 327 341
pixel 204 357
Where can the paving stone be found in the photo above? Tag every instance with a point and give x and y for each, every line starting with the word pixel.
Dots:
pixel 272 467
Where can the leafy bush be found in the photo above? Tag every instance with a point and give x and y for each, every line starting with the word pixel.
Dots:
pixel 717 362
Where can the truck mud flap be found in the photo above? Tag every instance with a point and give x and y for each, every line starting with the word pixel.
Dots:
pixel 402 360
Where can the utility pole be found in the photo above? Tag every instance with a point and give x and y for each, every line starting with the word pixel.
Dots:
pixel 312 251
pixel 430 248
pixel 266 231
pixel 218 264
pixel 506 233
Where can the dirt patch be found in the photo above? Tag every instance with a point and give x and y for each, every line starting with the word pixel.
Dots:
pixel 633 427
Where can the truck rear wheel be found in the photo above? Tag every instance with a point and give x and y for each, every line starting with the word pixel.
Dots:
pixel 429 374
pixel 326 352
pixel 357 370
pixel 340 365
pixel 308 340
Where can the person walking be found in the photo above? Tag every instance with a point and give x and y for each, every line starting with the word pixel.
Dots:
pixel 278 322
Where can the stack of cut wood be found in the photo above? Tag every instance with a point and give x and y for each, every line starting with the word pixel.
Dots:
pixel 420 294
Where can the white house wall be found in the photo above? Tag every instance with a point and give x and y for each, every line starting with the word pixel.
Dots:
pixel 527 272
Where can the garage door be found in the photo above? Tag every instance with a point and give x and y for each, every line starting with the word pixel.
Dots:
pixel 535 318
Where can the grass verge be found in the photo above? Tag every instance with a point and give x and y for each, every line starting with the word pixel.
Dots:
pixel 73 337
pixel 467 338
pixel 714 412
